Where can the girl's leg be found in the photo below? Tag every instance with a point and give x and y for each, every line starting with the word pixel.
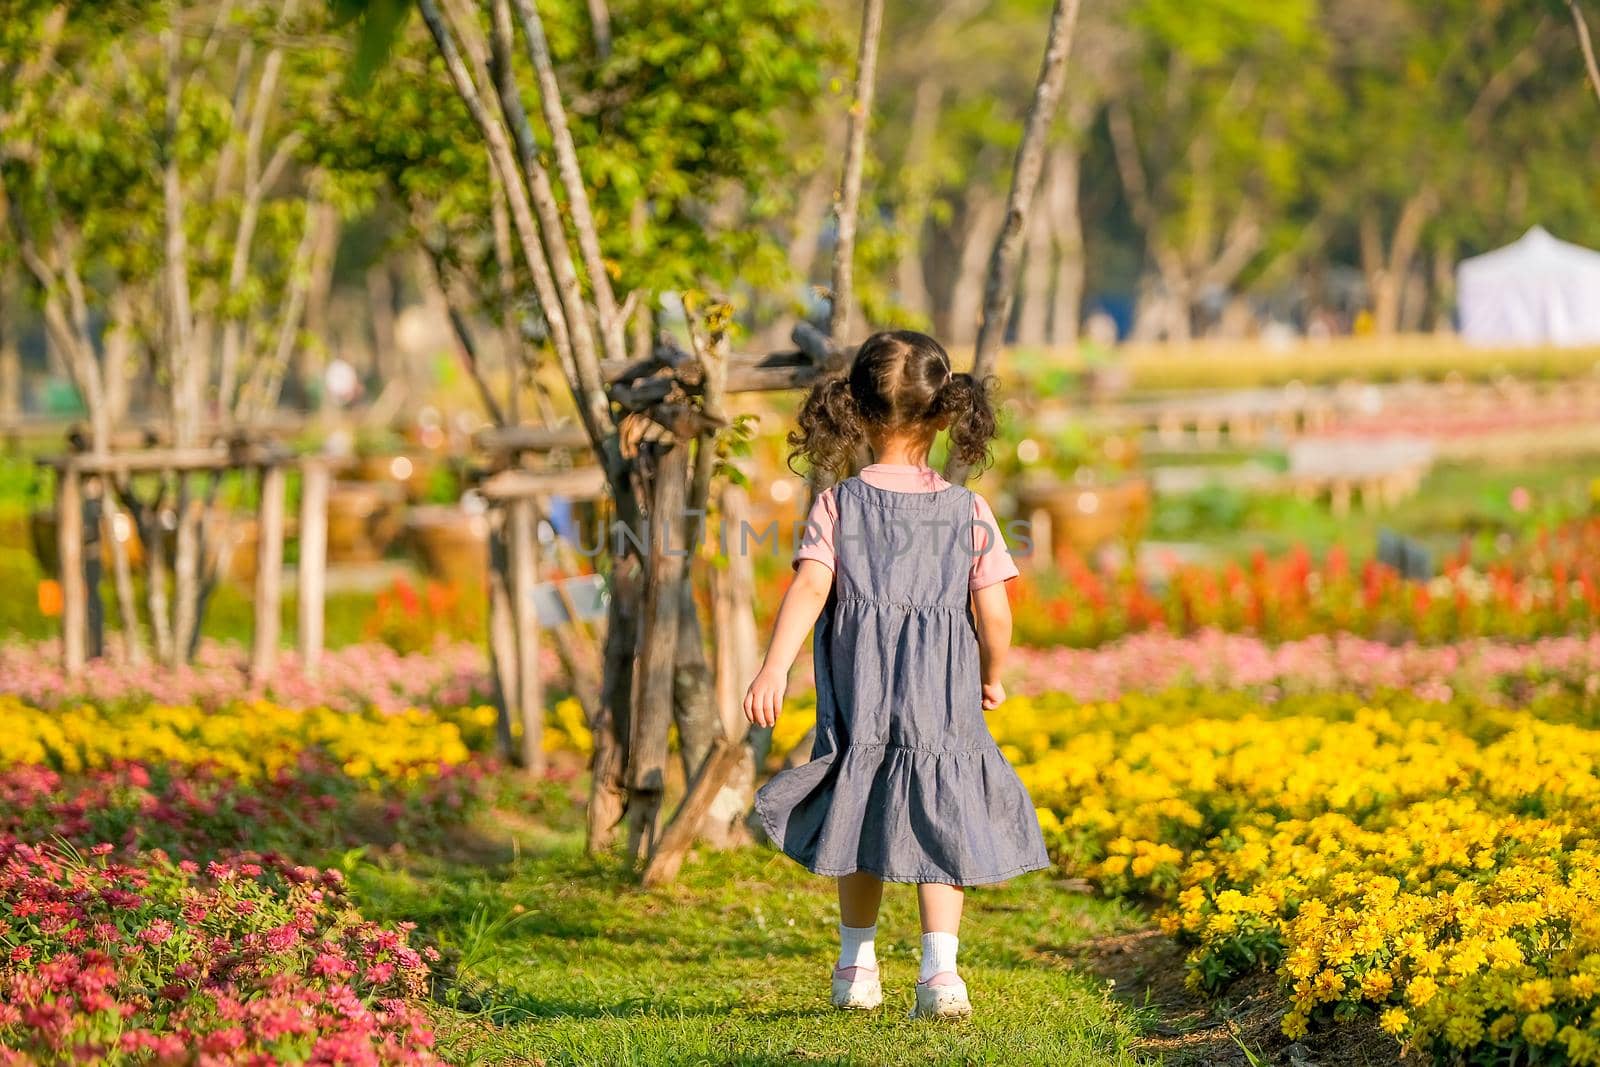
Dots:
pixel 855 976
pixel 940 906
pixel 941 994
pixel 859 896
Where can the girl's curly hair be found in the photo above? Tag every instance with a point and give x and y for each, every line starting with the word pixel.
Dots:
pixel 901 380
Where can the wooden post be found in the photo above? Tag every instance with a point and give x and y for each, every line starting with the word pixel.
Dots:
pixel 69 547
pixel 314 478
pixel 658 643
pixel 738 655
pixel 667 856
pixel 523 549
pixel 502 635
pixel 269 574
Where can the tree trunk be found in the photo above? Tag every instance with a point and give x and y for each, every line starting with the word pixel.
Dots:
pixel 1387 271
pixel 310 360
pixel 1444 285
pixel 1591 66
pixel 380 305
pixel 658 648
pixel 1067 310
pixel 608 790
pixel 693 709
pixel 855 156
pixel 737 659
pixel 1033 304
pixel 916 185
pixel 10 354
pixel 1000 286
pixel 966 290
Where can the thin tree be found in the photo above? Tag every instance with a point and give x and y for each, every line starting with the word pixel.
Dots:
pixel 1587 43
pixel 1001 286
pixel 848 207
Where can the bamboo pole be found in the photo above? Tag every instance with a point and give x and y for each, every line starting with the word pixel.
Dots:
pixel 313 563
pixel 269 574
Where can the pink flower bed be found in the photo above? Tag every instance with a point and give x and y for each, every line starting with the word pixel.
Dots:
pixel 217 949
pixel 146 960
pixel 356 676
pixel 1157 660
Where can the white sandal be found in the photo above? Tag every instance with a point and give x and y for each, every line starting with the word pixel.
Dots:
pixel 947 1000
pixel 857 988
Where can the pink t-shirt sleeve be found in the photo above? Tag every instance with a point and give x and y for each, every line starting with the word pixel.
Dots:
pixel 991 560
pixel 816 538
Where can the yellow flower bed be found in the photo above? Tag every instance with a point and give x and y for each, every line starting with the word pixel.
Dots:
pixel 249 740
pixel 1435 865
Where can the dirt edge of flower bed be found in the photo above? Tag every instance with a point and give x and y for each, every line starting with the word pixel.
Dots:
pixel 1187 1029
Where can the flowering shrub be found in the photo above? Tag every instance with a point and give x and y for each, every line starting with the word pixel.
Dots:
pixel 1567 666
pixel 245 740
pixel 1433 864
pixel 1560 675
pixel 145 960
pixel 1550 586
pixel 355 678
pixel 201 813
pixel 416 620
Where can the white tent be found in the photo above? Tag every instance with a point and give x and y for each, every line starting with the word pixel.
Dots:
pixel 1539 290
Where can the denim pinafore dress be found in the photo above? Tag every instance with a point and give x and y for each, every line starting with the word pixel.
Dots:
pixel 905 780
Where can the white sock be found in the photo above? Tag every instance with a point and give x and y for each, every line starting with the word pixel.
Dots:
pixel 855 946
pixel 938 955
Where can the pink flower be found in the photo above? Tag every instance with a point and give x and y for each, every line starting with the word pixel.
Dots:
pixel 159 932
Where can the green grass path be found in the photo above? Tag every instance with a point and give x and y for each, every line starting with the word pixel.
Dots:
pixel 731 965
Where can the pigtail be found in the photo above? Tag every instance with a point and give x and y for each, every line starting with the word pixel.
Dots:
pixel 964 401
pixel 831 429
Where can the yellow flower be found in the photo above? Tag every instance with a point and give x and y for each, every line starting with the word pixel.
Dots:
pixel 1538 1029
pixel 1421 990
pixel 1375 985
pixel 1532 996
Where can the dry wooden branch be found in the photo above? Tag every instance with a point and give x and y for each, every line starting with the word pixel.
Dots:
pixel 531 438
pixel 585 483
pixel 667 856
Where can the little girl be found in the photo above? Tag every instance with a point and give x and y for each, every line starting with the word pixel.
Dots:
pixel 903 575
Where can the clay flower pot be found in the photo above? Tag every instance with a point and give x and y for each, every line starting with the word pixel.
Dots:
pixel 452 543
pixel 1068 518
pixel 410 471
pixel 363 520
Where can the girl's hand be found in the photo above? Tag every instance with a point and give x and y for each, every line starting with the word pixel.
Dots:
pixel 764 699
pixel 994 694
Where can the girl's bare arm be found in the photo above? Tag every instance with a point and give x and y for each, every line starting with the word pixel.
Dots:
pixel 991 610
pixel 796 615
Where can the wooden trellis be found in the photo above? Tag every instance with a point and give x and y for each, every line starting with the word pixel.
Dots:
pixel 517 497
pixel 270 463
